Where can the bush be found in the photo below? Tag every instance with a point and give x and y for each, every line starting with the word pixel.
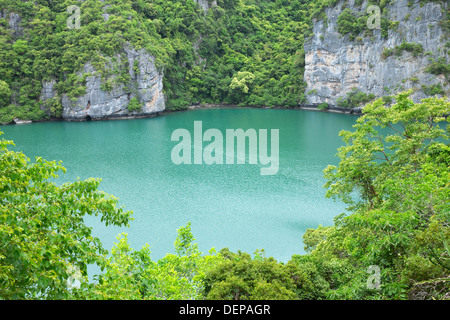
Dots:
pixel 5 93
pixel 240 277
pixel 395 182
pixel 440 66
pixel 134 105
pixel 42 229
pixel 352 24
pixel 177 104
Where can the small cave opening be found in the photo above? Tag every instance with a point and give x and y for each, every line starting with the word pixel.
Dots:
pixel 88 117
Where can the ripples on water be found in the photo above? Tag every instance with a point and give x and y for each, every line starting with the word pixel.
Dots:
pixel 228 205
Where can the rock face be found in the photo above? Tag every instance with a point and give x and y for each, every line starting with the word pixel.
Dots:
pixel 335 65
pixel 14 22
pixel 98 103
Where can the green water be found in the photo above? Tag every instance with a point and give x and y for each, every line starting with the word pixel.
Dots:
pixel 228 205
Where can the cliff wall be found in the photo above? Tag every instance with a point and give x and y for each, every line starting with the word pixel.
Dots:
pixel 336 65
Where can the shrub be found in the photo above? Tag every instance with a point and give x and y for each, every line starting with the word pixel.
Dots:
pixel 387 100
pixel 134 105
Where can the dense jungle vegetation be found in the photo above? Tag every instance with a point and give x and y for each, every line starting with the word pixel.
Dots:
pixel 393 172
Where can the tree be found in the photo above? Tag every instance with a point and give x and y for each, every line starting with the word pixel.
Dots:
pixel 42 233
pixel 394 172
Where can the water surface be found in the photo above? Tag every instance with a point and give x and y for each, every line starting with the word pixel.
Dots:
pixel 228 205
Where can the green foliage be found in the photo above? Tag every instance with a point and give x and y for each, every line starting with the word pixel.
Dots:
pixel 53 106
pixel 261 38
pixel 6 114
pixel 349 23
pixel 242 81
pixel 440 66
pixel 387 100
pixel 5 93
pixel 355 24
pixel 405 148
pixel 313 237
pixel 394 174
pixel 42 232
pixel 133 275
pixel 134 105
pixel 323 106
pixel 240 277
pixel 433 89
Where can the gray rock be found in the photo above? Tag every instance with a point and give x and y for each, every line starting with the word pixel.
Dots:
pixel 146 85
pixel 335 65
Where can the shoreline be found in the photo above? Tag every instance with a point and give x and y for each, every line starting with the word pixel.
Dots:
pixel 353 111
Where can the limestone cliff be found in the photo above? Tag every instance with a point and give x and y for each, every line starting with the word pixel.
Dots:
pixel 335 64
pixel 145 86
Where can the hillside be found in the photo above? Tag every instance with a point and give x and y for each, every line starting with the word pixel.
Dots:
pixel 138 58
pixel 102 59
